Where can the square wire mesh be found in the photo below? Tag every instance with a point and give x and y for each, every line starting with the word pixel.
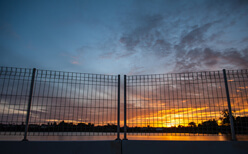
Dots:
pixel 66 103
pixel 14 94
pixel 63 103
pixel 182 104
pixel 238 89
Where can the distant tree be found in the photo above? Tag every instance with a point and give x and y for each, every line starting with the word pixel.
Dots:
pixel 179 126
pixel 210 123
pixel 226 119
pixel 90 125
pixel 192 124
pixel 62 123
pixel 241 122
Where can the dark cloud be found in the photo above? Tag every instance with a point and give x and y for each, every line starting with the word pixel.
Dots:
pixel 237 59
pixel 130 43
pixel 208 59
pixel 215 36
pixel 145 36
pixel 196 36
pixel 161 47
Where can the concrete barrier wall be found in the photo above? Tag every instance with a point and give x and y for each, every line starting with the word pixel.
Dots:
pixel 124 147
pixel 184 147
pixel 60 147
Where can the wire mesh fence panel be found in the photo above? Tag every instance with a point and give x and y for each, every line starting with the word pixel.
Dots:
pixel 66 103
pixel 14 94
pixel 177 104
pixel 238 89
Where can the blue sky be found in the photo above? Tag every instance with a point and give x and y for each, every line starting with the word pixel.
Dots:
pixel 124 37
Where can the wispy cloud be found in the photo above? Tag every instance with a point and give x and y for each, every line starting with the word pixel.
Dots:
pixel 209 59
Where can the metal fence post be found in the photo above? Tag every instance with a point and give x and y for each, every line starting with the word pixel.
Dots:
pixel 229 107
pixel 29 104
pixel 125 108
pixel 118 110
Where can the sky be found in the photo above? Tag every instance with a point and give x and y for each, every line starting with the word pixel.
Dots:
pixel 124 37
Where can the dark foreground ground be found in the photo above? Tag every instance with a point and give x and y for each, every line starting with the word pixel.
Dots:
pixel 124 147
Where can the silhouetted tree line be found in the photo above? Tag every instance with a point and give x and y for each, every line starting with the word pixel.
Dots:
pixel 61 127
pixel 206 127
